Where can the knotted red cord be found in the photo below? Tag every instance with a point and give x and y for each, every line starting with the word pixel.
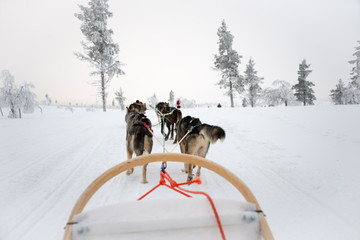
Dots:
pixel 173 185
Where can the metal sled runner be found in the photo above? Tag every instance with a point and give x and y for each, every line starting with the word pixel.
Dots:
pixel 192 218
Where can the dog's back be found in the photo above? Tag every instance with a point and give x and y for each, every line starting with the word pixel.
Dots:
pixel 138 137
pixel 201 135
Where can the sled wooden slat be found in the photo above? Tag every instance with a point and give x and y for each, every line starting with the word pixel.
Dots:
pixel 169 157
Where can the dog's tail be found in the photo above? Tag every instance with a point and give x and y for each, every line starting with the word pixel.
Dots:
pixel 179 116
pixel 212 133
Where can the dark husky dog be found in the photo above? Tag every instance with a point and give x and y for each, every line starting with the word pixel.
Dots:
pixel 172 117
pixel 159 108
pixel 197 142
pixel 138 106
pixel 138 137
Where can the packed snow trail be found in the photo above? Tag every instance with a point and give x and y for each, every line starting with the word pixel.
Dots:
pixel 300 162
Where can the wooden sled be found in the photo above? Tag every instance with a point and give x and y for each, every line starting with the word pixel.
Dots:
pixel 263 230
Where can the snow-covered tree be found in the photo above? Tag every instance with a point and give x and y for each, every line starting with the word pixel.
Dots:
pixel 303 91
pixel 227 62
pixel 9 93
pixel 355 73
pixel 352 94
pixel 171 98
pixel 120 98
pixel 186 103
pixel 99 49
pixel 153 100
pixel 354 89
pixel 252 83
pixel 338 94
pixel 27 98
pixel 14 97
pixel 280 94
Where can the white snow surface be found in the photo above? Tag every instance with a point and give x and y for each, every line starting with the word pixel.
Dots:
pixel 302 164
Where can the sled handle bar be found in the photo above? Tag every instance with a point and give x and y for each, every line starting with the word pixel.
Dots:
pixel 169 157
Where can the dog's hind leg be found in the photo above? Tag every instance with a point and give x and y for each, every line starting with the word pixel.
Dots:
pixel 202 151
pixel 148 144
pixel 172 131
pixel 130 151
pixel 198 171
pixel 185 168
pixel 144 173
pixel 168 134
pixel 144 180
pixel 190 170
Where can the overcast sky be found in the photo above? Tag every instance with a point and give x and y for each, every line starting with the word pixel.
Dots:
pixel 169 45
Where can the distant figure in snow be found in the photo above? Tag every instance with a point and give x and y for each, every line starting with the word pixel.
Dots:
pixel 178 103
pixel 219 105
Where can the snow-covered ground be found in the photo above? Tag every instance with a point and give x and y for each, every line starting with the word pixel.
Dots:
pixel 302 164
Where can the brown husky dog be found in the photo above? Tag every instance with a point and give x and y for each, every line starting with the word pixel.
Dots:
pixel 138 137
pixel 197 142
pixel 173 116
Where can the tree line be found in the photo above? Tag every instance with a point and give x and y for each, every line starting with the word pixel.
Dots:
pixel 248 86
pixel 350 93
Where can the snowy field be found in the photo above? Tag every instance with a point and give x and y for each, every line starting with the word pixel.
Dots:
pixel 302 164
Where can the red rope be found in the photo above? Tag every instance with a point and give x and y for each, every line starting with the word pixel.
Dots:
pixel 173 185
pixel 213 208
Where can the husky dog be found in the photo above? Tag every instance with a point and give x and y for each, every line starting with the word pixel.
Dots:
pixel 197 142
pixel 159 108
pixel 138 106
pixel 173 116
pixel 138 137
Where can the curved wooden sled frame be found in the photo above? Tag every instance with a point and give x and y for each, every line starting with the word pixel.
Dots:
pixel 169 157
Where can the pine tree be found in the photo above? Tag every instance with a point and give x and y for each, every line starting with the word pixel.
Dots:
pixel 171 98
pixel 355 77
pixel 303 91
pixel 252 81
pixel 121 99
pixel 355 73
pixel 338 94
pixel 227 63
pixel 99 49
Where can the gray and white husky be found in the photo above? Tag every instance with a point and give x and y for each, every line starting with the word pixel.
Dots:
pixel 138 137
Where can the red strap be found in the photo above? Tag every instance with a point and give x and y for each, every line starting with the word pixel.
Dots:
pixel 213 208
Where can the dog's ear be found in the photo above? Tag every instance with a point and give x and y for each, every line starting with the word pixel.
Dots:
pixel 127 110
